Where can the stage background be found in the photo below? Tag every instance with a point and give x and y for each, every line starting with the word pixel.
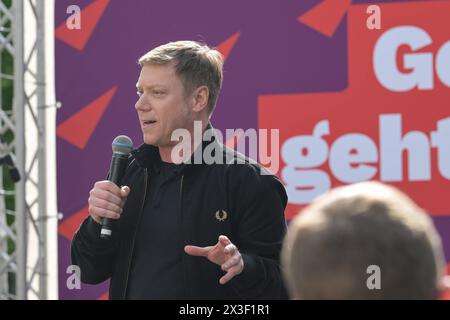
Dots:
pixel 305 67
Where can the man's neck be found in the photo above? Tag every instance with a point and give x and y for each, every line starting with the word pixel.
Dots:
pixel 165 152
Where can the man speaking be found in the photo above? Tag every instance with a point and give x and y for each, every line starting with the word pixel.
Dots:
pixel 184 230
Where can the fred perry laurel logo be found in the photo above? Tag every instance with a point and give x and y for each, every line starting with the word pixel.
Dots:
pixel 221 215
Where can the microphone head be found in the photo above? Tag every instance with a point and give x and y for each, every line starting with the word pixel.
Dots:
pixel 122 145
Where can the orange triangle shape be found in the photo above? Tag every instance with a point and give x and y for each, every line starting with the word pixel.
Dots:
pixel 225 47
pixel 69 226
pixel 326 16
pixel 80 126
pixel 89 17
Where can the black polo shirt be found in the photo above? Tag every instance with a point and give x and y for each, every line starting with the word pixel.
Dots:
pixel 156 271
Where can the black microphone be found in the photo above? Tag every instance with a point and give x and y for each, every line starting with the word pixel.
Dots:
pixel 121 147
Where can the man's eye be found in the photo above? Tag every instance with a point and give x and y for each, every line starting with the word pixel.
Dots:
pixel 158 92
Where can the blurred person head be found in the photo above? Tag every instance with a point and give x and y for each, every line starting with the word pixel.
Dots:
pixel 178 84
pixel 332 242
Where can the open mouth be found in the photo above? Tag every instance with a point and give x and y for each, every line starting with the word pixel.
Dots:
pixel 148 122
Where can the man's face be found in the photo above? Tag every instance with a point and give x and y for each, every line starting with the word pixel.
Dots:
pixel 162 106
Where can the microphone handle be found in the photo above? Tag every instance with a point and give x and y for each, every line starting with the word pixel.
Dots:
pixel 116 173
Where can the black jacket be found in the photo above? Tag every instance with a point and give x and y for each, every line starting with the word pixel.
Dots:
pixel 253 218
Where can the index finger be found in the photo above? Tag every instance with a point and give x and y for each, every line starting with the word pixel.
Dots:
pixel 108 196
pixel 109 186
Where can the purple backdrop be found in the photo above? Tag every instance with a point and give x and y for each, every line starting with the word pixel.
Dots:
pixel 273 54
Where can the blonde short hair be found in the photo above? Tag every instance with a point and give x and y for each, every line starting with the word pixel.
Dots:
pixel 332 242
pixel 196 64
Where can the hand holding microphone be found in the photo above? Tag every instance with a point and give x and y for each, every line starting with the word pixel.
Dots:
pixel 106 199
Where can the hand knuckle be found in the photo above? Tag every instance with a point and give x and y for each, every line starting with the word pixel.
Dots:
pixel 110 197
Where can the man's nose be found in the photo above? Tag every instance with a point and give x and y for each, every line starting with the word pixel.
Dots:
pixel 142 105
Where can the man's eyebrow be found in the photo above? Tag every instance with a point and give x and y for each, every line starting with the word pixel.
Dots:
pixel 149 87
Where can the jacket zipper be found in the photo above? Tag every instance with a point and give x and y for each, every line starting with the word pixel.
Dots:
pixel 183 259
pixel 135 232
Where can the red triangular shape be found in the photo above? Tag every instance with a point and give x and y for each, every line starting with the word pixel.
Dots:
pixel 231 143
pixel 326 16
pixel 445 295
pixel 80 126
pixel 104 296
pixel 70 225
pixel 90 16
pixel 225 47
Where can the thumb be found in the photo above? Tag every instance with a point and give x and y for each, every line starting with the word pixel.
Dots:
pixel 197 251
pixel 124 191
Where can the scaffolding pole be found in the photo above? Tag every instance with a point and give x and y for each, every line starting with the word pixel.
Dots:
pixel 29 263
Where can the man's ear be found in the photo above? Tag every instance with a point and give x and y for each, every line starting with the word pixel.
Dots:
pixel 201 98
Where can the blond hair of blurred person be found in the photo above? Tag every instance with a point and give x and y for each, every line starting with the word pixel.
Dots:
pixel 332 243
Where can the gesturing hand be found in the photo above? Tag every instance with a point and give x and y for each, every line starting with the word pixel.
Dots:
pixel 224 254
